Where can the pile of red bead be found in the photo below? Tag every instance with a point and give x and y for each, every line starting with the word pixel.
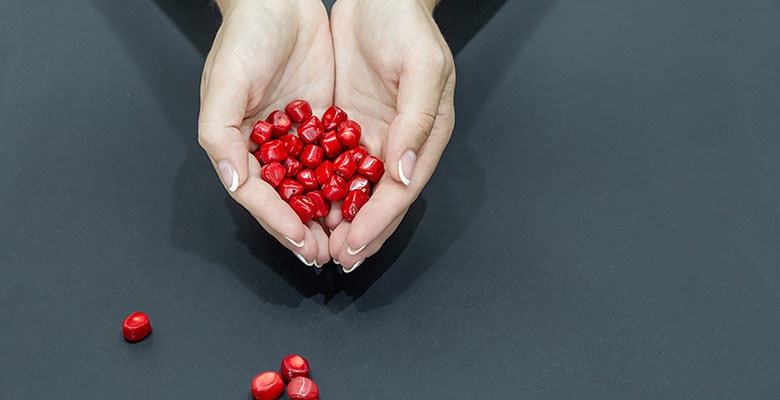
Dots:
pixel 295 370
pixel 323 163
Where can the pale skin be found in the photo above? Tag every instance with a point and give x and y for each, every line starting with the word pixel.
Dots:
pixel 385 63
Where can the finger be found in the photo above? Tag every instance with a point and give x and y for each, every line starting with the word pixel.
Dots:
pixel 321 237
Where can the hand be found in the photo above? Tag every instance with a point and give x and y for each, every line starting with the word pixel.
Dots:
pixel 266 53
pixel 395 75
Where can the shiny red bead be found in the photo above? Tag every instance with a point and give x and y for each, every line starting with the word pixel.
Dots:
pixel 321 204
pixel 311 156
pixel 323 172
pixel 352 204
pixel 359 182
pixel 307 179
pixel 349 133
pixel 303 388
pixel 267 386
pixel 136 327
pixel 280 121
pixel 298 110
pixel 359 153
pixel 271 151
pixel 304 207
pixel 294 365
pixel 333 116
pixel 291 167
pixel 289 188
pixel 273 173
pixel 261 132
pixel 345 165
pixel 372 167
pixel 330 143
pixel 311 130
pixel 293 144
pixel 335 189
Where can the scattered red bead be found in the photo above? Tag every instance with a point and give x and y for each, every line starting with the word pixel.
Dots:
pixel 302 388
pixel 136 327
pixel 267 386
pixel 293 366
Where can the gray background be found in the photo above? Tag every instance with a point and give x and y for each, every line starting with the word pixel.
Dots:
pixel 604 223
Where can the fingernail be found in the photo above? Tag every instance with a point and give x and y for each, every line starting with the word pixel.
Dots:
pixel 335 261
pixel 406 166
pixel 357 264
pixel 319 266
pixel 353 252
pixel 294 243
pixel 303 260
pixel 229 174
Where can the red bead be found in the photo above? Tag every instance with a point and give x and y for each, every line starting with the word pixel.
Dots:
pixel 261 132
pixel 330 143
pixel 302 388
pixel 294 365
pixel 273 173
pixel 323 172
pixel 345 165
pixel 267 386
pixel 272 151
pixel 292 167
pixel 280 121
pixel 293 144
pixel 311 130
pixel 352 204
pixel 359 153
pixel 333 116
pixel 359 182
pixel 335 189
pixel 321 204
pixel 306 178
pixel 305 208
pixel 311 156
pixel 289 188
pixel 372 168
pixel 349 134
pixel 136 327
pixel 298 110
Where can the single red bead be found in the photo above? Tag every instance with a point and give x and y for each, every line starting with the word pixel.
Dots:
pixel 335 189
pixel 293 144
pixel 360 182
pixel 298 110
pixel 294 365
pixel 311 156
pixel 291 167
pixel 267 386
pixel 304 207
pixel 280 121
pixel 330 143
pixel 352 204
pixel 136 327
pixel 289 188
pixel 273 173
pixel 261 132
pixel 323 172
pixel 359 153
pixel 307 179
pixel 372 167
pixel 345 165
pixel 322 205
pixel 271 151
pixel 303 388
pixel 311 130
pixel 349 133
pixel 333 116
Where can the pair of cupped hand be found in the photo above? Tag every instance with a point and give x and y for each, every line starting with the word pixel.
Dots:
pixel 384 62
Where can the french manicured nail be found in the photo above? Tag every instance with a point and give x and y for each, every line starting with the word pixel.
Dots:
pixel 353 252
pixel 294 243
pixel 335 261
pixel 355 265
pixel 406 166
pixel 228 174
pixel 303 260
pixel 319 266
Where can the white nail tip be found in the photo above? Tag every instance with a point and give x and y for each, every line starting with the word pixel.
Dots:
pixel 404 179
pixel 294 243
pixel 336 262
pixel 234 184
pixel 353 252
pixel 303 260
pixel 357 264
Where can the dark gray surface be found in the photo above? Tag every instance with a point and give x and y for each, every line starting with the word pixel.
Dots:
pixel 604 223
